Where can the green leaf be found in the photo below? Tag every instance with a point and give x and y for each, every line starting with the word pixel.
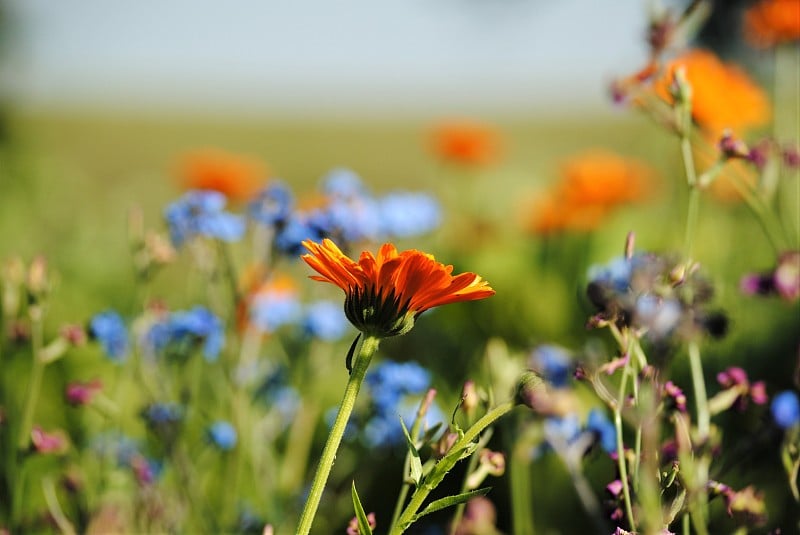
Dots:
pixel 415 465
pixel 443 503
pixel 361 516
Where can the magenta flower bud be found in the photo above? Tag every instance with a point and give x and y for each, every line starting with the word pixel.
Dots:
pixel 787 275
pixel 731 147
pixel 615 488
pixel 759 155
pixel 74 334
pixel 758 393
pixel 672 391
pixel 79 394
pixel 791 157
pixel 45 442
pixel 733 376
pixel 352 527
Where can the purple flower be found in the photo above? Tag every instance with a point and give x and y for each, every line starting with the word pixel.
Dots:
pixel 109 329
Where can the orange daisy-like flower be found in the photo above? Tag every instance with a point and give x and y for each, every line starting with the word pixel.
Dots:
pixel 384 294
pixel 723 95
pixel 772 22
pixel 592 184
pixel 466 143
pixel 237 177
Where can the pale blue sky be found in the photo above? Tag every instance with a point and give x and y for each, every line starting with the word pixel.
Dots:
pixel 304 56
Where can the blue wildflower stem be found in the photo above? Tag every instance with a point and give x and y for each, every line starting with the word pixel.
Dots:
pixel 368 347
pixel 444 465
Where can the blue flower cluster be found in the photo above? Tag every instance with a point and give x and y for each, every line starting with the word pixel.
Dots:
pixel 654 293
pixel 325 320
pixel 181 331
pixel 202 213
pixel 350 213
pixel 396 390
pixel 271 309
pixel 110 331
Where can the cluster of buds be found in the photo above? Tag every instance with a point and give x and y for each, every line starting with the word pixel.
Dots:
pixel 733 148
pixel 746 506
pixel 783 280
pixel 738 390
pixel 655 295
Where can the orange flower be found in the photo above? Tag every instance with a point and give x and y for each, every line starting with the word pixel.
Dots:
pixel 384 294
pixel 772 22
pixel 723 96
pixel 238 177
pixel 466 143
pixel 591 185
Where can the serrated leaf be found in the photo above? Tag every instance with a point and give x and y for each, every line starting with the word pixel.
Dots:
pixel 449 501
pixel 414 464
pixel 361 516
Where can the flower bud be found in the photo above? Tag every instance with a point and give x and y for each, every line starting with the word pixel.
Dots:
pixel 529 386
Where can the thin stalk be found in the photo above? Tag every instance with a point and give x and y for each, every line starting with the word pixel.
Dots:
pixel 698 509
pixel 473 462
pixel 401 498
pixel 368 347
pixel 35 386
pixel 421 494
pixel 621 464
pixel 63 523
pixel 692 213
pixel 521 502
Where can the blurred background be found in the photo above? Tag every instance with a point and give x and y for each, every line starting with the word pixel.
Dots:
pixel 100 99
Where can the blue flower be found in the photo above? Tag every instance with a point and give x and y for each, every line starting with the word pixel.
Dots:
pixel 384 429
pixel 785 409
pixel 616 273
pixel 290 236
pixel 343 183
pixel 659 315
pixel 408 214
pixel 601 426
pixel 223 435
pixel 390 381
pixel 273 205
pixel 201 213
pixel 355 218
pixel 553 363
pixel 109 329
pixel 271 309
pixel 182 329
pixel 325 320
pixel 157 414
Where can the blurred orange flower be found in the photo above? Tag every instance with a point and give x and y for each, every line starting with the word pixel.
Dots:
pixel 772 22
pixel 723 96
pixel 238 177
pixel 466 142
pixel 592 184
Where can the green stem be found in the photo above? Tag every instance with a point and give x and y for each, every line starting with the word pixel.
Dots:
pixel 521 502
pixel 473 462
pixel 369 345
pixel 401 498
pixel 698 509
pixel 35 386
pixel 421 494
pixel 692 212
pixel 621 463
